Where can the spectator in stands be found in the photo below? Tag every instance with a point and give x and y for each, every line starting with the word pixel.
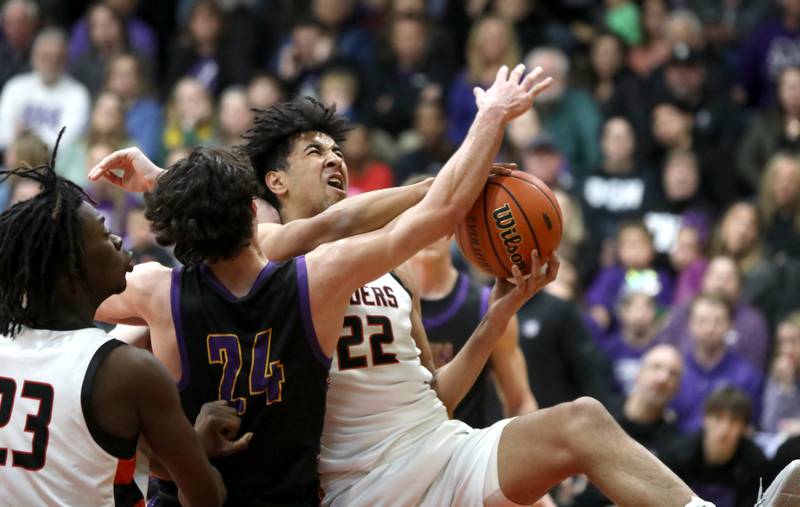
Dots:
pixel 142 241
pixel 190 116
pixel 615 89
pixel 637 314
pixel 235 116
pixel 779 205
pixel 106 39
pixel 46 99
pixel 773 46
pixel 654 50
pixel 563 361
pixel 633 271
pixel 541 158
pixel 19 21
pixel 782 392
pixel 141 37
pixel 106 126
pixel 576 247
pixel 721 463
pixel 711 364
pixel 644 412
pixel 339 86
pixel 622 18
pixel 774 129
pixel 339 20
pixel 411 69
pixel 203 52
pixel 300 59
pixel 748 335
pixel 364 173
pixel 680 201
pixel 144 120
pixel 568 114
pixel 265 90
pixel 689 83
pixel 688 260
pixel 434 148
pixel 491 44
pixel 27 149
pixel 620 188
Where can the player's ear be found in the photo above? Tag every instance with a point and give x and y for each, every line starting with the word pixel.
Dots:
pixel 276 182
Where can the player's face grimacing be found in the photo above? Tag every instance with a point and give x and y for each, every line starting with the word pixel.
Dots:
pixel 318 173
pixel 106 261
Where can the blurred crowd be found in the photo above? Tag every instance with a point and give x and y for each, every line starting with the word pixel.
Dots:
pixel 671 136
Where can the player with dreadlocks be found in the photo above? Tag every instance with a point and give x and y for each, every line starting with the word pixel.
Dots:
pixel 74 401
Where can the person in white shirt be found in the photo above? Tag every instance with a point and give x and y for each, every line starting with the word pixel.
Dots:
pixel 45 99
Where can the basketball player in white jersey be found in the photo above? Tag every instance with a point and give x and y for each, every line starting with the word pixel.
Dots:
pixel 74 403
pixel 388 440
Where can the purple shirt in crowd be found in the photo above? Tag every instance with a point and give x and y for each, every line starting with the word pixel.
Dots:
pixel 624 358
pixel 141 38
pixel 770 49
pixel 608 285
pixel 779 403
pixel 748 337
pixel 698 383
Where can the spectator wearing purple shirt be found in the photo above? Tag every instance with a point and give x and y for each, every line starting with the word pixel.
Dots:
pixel 749 335
pixel 635 271
pixel 782 392
pixel 141 37
pixel 774 45
pixel 711 364
pixel 625 347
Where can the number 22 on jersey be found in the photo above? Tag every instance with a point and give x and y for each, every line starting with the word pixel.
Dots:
pixel 264 377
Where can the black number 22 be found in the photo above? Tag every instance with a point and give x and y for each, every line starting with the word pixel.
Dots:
pixel 37 424
pixel 376 342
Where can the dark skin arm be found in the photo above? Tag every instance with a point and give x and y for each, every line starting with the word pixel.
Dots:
pixel 134 394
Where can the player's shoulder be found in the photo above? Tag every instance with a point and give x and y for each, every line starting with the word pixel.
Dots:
pixel 405 277
pixel 134 367
pixel 149 275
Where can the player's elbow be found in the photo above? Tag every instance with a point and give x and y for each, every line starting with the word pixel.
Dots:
pixel 214 496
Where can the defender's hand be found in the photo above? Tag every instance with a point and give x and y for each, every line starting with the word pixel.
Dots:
pixel 217 425
pixel 139 174
pixel 512 96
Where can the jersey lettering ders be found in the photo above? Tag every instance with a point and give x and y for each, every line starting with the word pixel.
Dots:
pixel 52 452
pixel 259 352
pixel 380 396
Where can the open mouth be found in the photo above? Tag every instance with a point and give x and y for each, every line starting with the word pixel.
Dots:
pixel 336 182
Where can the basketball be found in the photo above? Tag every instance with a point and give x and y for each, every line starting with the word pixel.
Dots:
pixel 514 215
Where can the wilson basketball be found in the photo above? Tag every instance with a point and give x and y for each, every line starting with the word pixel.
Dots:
pixel 514 215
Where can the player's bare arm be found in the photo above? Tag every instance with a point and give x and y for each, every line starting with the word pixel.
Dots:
pixel 511 373
pixel 134 393
pixel 336 269
pixel 144 301
pixel 354 215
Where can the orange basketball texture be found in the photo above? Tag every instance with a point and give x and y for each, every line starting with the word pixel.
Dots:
pixel 514 215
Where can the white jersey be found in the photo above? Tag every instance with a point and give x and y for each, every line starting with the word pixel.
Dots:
pixel 380 400
pixel 48 454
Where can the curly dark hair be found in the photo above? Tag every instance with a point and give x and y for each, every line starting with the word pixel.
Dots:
pixel 270 139
pixel 40 240
pixel 203 206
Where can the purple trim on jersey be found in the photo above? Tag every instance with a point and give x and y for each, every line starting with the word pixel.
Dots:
pixel 455 306
pixel 305 311
pixel 227 294
pixel 485 292
pixel 175 306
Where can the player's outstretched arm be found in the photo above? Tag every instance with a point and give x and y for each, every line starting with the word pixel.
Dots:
pixel 135 394
pixel 453 380
pixel 354 215
pixel 337 269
